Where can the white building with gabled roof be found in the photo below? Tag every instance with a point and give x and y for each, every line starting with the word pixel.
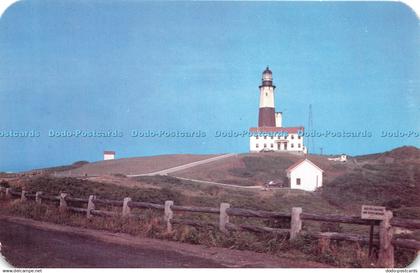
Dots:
pixel 305 175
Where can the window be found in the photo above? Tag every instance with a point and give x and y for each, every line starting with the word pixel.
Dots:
pixel 299 137
pixel 292 145
pixel 297 181
pixel 271 137
pixel 256 145
pixel 266 94
pixel 265 145
pixel 299 145
pixel 265 137
pixel 278 137
pixel 272 145
pixel 256 137
pixel 293 137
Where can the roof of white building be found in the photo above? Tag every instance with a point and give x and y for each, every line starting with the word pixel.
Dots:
pixel 289 130
pixel 294 166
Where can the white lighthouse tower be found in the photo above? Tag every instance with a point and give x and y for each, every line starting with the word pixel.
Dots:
pixel 266 116
pixel 270 135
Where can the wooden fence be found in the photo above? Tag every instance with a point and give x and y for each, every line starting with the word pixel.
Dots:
pixel 385 240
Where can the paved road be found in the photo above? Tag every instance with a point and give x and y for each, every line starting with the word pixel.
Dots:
pixel 29 243
pixel 25 246
pixel 183 167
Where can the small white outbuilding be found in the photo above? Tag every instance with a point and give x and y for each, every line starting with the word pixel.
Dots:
pixel 305 175
pixel 109 155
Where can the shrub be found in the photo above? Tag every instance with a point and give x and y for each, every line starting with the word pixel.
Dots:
pixel 240 172
pixel 4 183
pixel 330 227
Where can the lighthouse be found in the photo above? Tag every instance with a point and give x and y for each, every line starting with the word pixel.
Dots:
pixel 266 115
pixel 270 135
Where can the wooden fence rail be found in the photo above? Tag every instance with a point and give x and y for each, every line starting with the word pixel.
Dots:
pixel 74 199
pixel 256 213
pixel 343 237
pixel 338 219
pixel 257 229
pixel 144 205
pixel 385 239
pixel 405 223
pixel 196 209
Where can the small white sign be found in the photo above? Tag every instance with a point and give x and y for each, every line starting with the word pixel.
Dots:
pixel 373 212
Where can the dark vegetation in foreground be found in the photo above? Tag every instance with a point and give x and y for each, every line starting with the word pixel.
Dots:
pixel 339 254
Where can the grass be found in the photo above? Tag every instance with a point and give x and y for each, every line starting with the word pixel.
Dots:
pixel 340 254
pixel 262 169
pixel 391 185
pixel 183 193
pixel 407 212
pixel 50 213
pixel 83 188
pixel 63 168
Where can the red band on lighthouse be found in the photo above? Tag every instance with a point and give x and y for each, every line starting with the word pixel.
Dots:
pixel 266 117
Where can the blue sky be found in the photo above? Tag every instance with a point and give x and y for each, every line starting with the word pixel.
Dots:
pixel 124 65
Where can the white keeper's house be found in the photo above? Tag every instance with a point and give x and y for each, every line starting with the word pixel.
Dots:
pixel 270 135
pixel 305 175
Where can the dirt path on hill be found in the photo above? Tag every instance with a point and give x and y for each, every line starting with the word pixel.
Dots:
pixel 29 243
pixel 219 184
pixel 183 167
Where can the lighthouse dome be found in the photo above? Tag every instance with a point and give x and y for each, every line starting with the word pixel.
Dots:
pixel 267 71
pixel 267 77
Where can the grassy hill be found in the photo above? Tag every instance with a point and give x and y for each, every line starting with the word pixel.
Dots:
pixel 391 179
pixel 259 168
pixel 134 165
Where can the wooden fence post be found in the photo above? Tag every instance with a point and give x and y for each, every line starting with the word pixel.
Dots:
pixel 126 208
pixel 23 196
pixel 38 198
pixel 2 191
pixel 223 217
pixel 63 203
pixel 386 249
pixel 8 194
pixel 169 214
pixel 296 223
pixel 90 206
